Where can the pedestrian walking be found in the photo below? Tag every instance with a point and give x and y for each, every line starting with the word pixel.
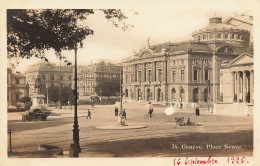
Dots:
pixel 150 112
pixel 116 111
pixel 89 114
pixel 197 111
pixel 124 114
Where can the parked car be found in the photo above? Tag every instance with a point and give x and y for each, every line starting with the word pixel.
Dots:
pixel 36 113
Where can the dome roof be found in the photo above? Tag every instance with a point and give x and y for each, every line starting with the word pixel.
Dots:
pixel 216 24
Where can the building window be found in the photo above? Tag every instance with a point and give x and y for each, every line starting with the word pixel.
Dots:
pixel 195 75
pixel 206 61
pixel 211 36
pixel 225 36
pixel 149 75
pixel 139 76
pixel 52 77
pixel 219 35
pixel 232 36
pixel 52 84
pixel 43 77
pixel 182 75
pixel 17 81
pixel 182 94
pixel 195 95
pixel 195 60
pixel 204 37
pixel 43 85
pixel 126 78
pixel 206 75
pixel 173 93
pixel 160 75
pixel 61 78
pixel 126 93
pixel 173 75
pixel 17 96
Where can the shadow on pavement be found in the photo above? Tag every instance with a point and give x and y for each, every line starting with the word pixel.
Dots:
pixel 238 143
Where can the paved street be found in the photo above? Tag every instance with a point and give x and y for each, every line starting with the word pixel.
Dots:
pixel 156 139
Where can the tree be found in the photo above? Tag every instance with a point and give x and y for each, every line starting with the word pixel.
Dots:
pixel 107 88
pixel 25 99
pixel 31 31
pixel 27 102
pixel 67 94
pixel 53 94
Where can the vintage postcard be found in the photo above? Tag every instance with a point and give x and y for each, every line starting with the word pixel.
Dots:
pixel 127 83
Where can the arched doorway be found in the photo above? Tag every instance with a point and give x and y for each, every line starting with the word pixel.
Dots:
pixel 173 94
pixel 195 95
pixel 131 94
pixel 138 94
pixel 148 94
pixel 206 95
pixel 126 92
pixel 159 94
pixel 182 94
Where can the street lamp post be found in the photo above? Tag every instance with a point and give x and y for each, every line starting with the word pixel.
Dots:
pixel 121 118
pixel 100 91
pixel 60 85
pixel 47 97
pixel 166 56
pixel 76 126
pixel 59 56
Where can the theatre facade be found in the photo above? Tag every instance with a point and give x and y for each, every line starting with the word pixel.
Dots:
pixel 185 72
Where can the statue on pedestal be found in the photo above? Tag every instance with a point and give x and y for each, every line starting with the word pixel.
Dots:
pixel 38 98
pixel 38 85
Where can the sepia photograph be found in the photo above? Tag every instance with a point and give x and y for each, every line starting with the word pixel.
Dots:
pixel 112 82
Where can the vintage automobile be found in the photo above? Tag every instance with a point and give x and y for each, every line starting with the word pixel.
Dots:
pixel 35 114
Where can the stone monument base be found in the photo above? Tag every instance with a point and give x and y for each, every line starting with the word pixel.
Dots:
pixel 38 100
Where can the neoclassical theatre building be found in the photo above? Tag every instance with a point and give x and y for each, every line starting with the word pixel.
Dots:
pixel 185 72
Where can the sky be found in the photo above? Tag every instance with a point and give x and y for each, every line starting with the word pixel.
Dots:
pixel 160 25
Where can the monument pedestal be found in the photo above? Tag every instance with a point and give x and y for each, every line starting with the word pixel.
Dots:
pixel 38 100
pixel 121 121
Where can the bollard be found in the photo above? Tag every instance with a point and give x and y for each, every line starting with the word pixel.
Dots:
pixel 74 151
pixel 10 140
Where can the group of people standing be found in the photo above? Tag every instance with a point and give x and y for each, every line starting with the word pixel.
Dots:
pixel 117 112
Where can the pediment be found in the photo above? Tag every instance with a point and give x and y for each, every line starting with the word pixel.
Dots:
pixel 146 53
pixel 243 59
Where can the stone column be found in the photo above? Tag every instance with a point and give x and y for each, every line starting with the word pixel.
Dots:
pixel 143 73
pixel 238 85
pixel 164 71
pixel 134 73
pixel 153 71
pixel 214 78
pixel 244 87
pixel 252 86
pixel 144 93
pixel 234 86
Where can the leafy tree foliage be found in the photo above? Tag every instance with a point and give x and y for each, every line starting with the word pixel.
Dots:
pixel 67 95
pixel 31 31
pixel 53 94
pixel 25 99
pixel 107 88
